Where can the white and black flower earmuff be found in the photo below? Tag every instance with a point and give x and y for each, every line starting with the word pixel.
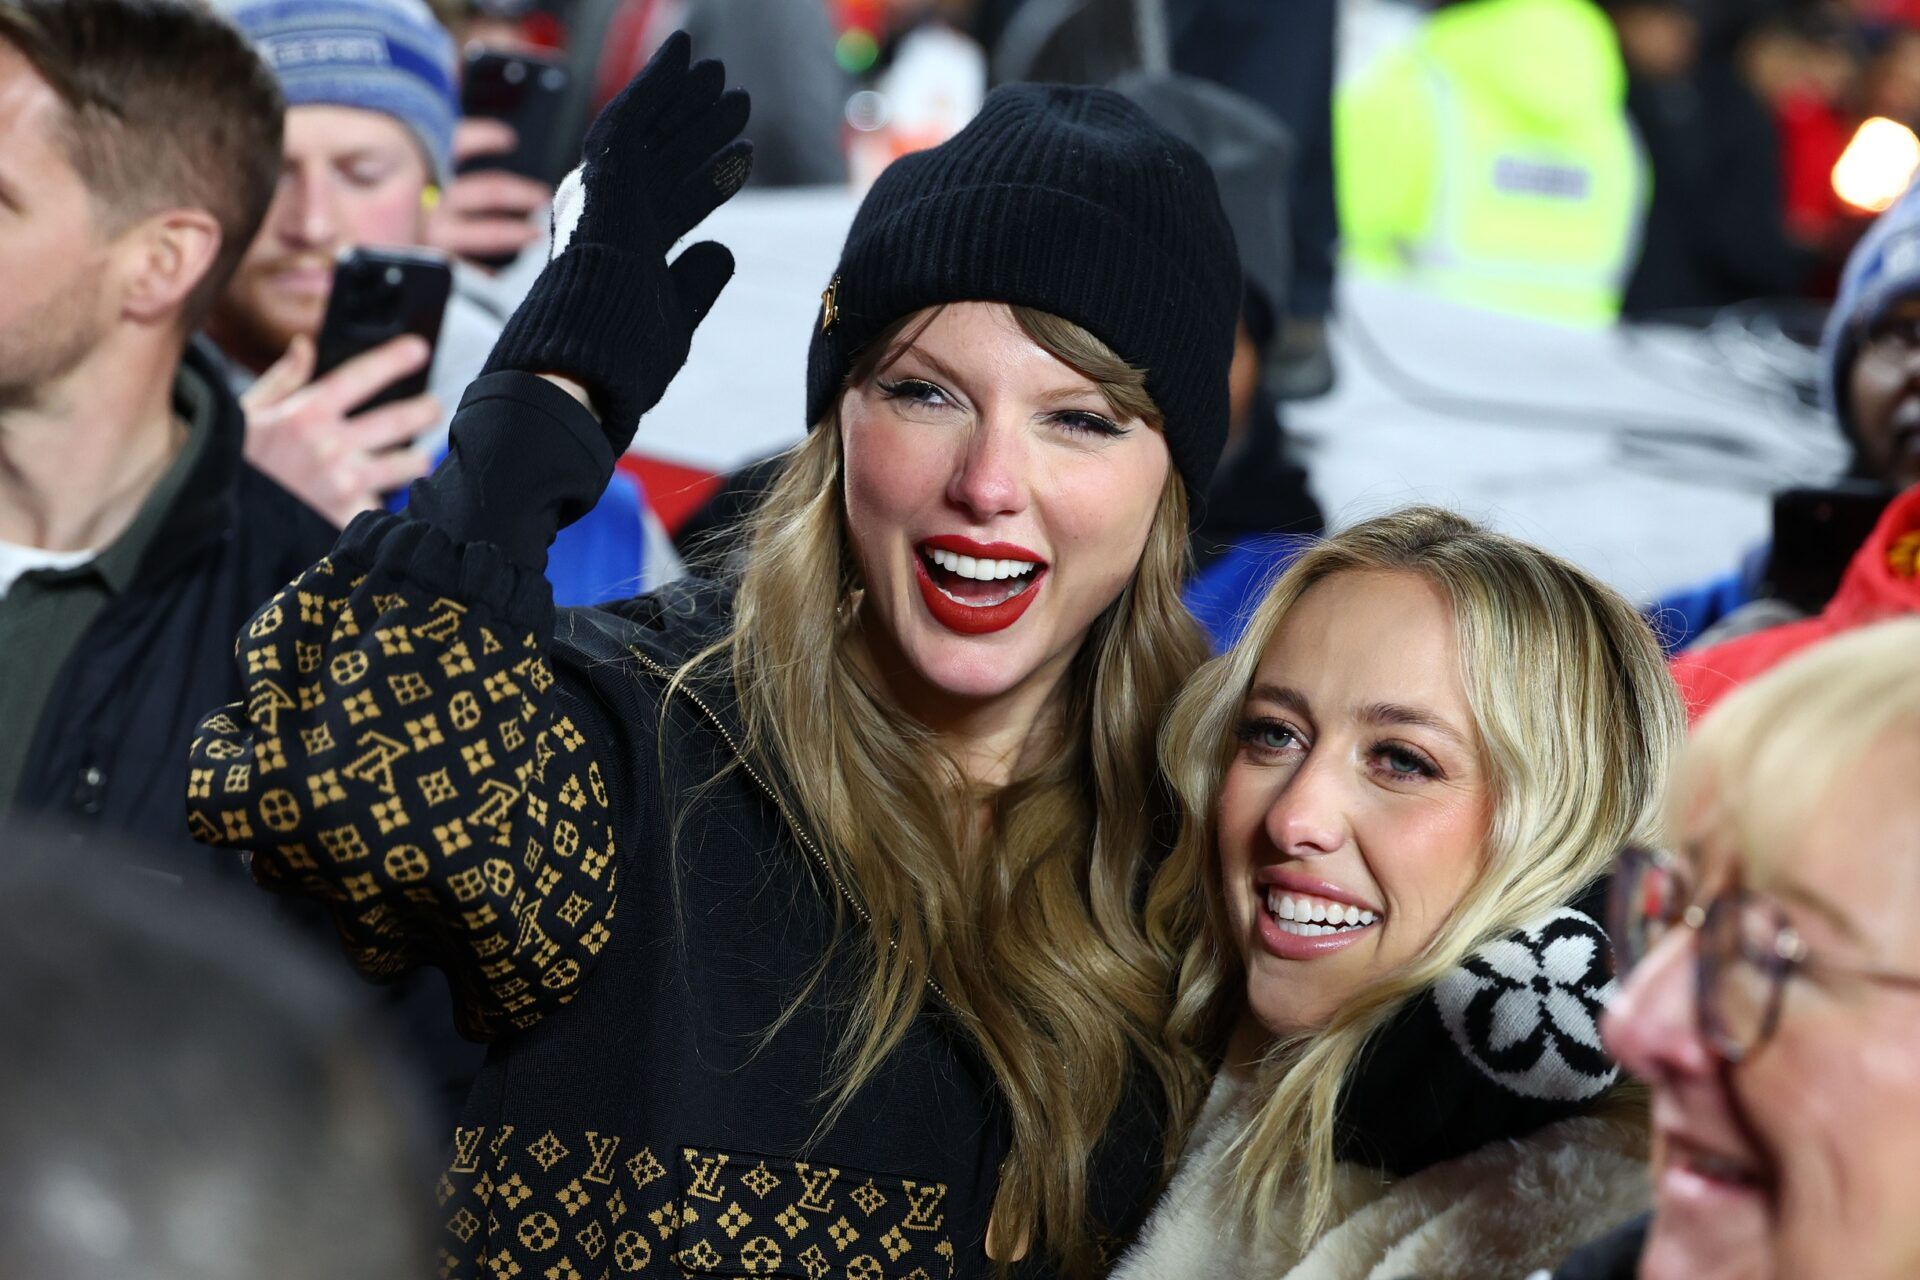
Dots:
pixel 1506 1042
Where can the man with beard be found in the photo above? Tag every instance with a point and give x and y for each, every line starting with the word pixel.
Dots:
pixel 142 146
pixel 371 108
pixel 371 114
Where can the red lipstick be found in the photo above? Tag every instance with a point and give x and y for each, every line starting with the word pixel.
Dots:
pixel 961 546
pixel 975 619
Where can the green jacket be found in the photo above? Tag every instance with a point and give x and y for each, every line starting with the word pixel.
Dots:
pixel 1491 159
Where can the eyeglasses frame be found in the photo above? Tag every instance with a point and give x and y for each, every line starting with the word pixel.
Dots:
pixel 1787 955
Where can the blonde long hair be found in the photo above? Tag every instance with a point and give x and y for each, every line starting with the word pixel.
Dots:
pixel 1763 761
pixel 1577 720
pixel 1028 921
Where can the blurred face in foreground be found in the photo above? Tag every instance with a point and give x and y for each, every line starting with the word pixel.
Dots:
pixel 1354 814
pixel 996 504
pixel 350 178
pixel 1801 1159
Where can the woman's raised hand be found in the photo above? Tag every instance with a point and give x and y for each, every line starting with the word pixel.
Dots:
pixel 609 311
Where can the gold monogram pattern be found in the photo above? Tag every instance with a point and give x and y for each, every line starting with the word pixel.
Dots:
pixel 584 1207
pixel 409 764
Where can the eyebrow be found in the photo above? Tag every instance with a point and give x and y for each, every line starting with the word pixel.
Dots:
pixel 1290 698
pixel 1378 713
pixel 1789 891
pixel 939 366
pixel 1057 396
pixel 1417 717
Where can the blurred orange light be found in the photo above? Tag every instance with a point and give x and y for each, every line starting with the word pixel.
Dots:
pixel 1877 165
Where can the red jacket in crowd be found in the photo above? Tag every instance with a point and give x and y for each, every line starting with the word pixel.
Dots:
pixel 1880 583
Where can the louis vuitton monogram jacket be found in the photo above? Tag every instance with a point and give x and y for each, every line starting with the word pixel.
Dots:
pixel 471 781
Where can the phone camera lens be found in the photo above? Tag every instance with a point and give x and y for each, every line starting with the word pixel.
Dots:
pixel 515 73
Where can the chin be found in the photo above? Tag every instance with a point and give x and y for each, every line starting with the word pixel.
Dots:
pixel 1727 1246
pixel 1281 1007
pixel 967 668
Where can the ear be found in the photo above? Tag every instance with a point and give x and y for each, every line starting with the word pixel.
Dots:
pixel 165 257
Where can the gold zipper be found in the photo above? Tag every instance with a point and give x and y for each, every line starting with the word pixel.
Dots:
pixel 799 830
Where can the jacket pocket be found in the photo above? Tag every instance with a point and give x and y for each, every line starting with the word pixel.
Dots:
pixel 750 1215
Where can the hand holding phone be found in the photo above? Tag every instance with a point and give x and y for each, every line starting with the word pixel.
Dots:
pixel 378 295
pixel 335 419
pixel 523 91
pixel 486 216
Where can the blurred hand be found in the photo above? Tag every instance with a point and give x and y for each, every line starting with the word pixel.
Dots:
pixel 301 432
pixel 488 214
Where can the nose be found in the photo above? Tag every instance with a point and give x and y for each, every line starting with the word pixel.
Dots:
pixel 990 475
pixel 304 212
pixel 1308 816
pixel 1652 1027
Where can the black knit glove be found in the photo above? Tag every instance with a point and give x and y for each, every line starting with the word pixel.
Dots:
pixel 609 311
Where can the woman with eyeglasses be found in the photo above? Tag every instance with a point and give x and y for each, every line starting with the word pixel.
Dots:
pixel 1773 997
pixel 1396 794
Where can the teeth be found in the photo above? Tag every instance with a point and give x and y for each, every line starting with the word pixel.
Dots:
pixel 979 569
pixel 1312 917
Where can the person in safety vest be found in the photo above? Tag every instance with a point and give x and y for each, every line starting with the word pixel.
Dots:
pixel 1491 160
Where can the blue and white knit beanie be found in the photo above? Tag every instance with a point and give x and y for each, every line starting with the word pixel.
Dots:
pixel 389 56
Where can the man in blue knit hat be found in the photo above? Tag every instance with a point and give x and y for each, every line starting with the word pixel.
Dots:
pixel 372 103
pixel 372 106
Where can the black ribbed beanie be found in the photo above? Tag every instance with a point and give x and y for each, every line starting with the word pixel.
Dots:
pixel 1068 200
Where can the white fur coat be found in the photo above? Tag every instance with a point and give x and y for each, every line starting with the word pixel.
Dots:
pixel 1497 1213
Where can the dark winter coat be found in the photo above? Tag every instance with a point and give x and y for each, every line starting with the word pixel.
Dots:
pixel 108 764
pixel 473 781
pixel 109 754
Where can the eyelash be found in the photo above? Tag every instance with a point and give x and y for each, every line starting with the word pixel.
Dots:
pixel 1251 729
pixel 1076 421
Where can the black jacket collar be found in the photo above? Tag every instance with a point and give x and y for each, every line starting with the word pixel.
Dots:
pixel 205 507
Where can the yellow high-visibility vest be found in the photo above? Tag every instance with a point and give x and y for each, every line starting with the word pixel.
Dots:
pixel 1492 160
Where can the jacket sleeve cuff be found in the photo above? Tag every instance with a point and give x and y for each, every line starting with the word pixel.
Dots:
pixel 400 549
pixel 525 460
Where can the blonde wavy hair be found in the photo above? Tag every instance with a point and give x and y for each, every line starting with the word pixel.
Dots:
pixel 1576 720
pixel 1028 920
pixel 1764 760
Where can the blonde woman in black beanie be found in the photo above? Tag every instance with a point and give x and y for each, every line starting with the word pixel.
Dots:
pixel 800 911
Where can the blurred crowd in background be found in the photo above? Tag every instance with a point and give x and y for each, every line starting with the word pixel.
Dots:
pixel 1537 191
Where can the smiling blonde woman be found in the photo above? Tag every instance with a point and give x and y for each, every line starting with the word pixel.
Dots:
pixel 801 909
pixel 1397 791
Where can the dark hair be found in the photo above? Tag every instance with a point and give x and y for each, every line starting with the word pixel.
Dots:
pixel 168 106
pixel 188 1094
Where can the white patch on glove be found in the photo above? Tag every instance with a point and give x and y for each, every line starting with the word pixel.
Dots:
pixel 569 201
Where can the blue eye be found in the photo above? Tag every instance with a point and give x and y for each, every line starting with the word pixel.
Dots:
pixel 1271 736
pixel 1402 762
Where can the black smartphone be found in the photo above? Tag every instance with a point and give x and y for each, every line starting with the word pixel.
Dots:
pixel 379 294
pixel 1815 534
pixel 523 89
